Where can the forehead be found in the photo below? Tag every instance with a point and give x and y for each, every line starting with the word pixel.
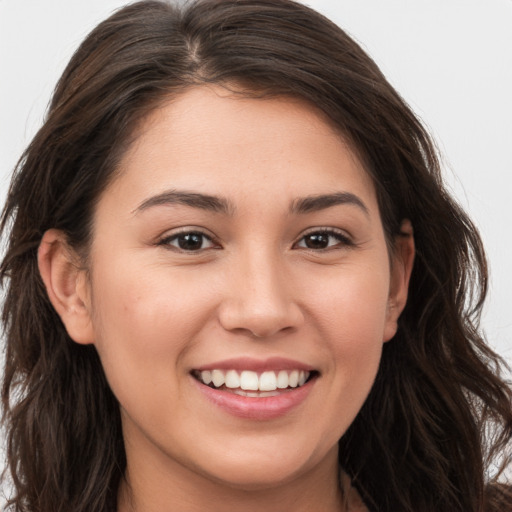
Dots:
pixel 209 138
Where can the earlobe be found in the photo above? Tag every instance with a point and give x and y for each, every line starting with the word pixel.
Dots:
pixel 67 285
pixel 403 260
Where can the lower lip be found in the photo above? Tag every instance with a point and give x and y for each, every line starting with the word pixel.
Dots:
pixel 257 408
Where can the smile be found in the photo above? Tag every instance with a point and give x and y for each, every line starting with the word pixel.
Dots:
pixel 255 389
pixel 251 383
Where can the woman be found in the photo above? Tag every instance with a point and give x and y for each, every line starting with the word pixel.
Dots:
pixel 236 282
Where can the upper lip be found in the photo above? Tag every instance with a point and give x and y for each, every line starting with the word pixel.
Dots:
pixel 256 365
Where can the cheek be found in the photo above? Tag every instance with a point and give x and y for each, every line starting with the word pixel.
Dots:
pixel 351 303
pixel 351 313
pixel 146 320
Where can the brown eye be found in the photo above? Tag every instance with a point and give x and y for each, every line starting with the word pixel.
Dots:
pixel 189 241
pixel 317 241
pixel 321 240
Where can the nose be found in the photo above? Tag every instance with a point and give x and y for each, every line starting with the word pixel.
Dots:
pixel 259 298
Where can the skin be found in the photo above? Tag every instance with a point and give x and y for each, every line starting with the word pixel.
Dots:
pixel 254 288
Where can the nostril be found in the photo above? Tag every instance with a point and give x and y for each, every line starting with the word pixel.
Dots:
pixel 260 321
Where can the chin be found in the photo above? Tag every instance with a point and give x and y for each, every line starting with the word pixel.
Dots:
pixel 259 478
pixel 266 469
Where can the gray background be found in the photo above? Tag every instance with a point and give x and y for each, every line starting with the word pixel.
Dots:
pixel 450 59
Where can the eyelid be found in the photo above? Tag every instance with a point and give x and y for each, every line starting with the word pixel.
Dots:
pixel 167 236
pixel 345 239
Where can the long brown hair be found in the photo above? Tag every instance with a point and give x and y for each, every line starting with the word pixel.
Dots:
pixel 439 414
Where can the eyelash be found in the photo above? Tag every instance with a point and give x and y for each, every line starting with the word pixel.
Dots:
pixel 343 240
pixel 167 241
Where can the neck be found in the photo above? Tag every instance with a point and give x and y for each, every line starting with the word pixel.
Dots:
pixel 174 487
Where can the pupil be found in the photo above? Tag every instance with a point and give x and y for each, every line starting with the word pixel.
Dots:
pixel 190 241
pixel 317 241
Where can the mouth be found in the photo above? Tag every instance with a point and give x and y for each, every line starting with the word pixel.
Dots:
pixel 256 389
pixel 254 384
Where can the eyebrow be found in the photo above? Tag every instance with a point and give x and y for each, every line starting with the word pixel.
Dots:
pixel 301 205
pixel 316 203
pixel 192 199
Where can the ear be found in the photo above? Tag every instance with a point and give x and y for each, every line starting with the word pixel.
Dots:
pixel 401 268
pixel 67 285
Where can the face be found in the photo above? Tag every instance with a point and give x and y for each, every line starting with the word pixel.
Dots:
pixel 241 242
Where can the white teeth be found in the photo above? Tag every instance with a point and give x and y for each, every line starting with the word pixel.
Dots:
pixel 268 381
pixel 255 394
pixel 206 376
pixel 218 378
pixel 282 379
pixel 247 380
pixel 232 379
pixel 293 379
